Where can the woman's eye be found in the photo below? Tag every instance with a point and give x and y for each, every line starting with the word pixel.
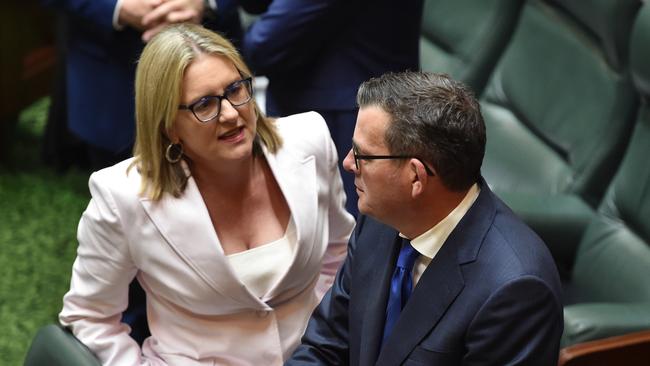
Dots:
pixel 203 104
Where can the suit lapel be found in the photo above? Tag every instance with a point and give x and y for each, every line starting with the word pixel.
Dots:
pixel 441 282
pixel 185 224
pixel 439 285
pixel 298 183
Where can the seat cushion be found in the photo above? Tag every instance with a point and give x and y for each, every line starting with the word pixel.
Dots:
pixel 464 38
pixel 613 260
pixel 557 84
pixel 586 322
pixel 519 161
pixel 55 346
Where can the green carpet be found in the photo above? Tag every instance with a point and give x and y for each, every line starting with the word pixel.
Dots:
pixel 39 213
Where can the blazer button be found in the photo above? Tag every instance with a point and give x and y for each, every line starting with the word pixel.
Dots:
pixel 262 313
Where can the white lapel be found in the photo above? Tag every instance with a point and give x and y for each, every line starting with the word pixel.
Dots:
pixel 185 224
pixel 296 177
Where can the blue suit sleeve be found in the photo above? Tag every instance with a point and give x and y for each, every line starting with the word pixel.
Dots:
pixel 254 6
pixel 290 31
pixel 509 331
pixel 99 12
pixel 326 340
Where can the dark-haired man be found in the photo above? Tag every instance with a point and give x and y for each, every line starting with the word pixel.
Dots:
pixel 439 271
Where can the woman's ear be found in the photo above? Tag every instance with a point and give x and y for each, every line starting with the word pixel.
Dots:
pixel 172 135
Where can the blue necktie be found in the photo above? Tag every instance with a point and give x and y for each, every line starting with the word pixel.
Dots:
pixel 401 286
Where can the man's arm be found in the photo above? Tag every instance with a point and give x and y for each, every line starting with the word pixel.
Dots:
pixel 94 11
pixel 520 324
pixel 291 32
pixel 255 6
pixel 326 340
pixel 107 15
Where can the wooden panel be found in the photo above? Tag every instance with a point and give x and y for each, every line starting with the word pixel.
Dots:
pixel 630 350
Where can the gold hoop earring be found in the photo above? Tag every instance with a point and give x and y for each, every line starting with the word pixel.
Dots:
pixel 174 153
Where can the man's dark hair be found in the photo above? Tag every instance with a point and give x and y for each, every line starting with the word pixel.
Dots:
pixel 434 118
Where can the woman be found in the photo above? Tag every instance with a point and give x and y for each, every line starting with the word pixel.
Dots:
pixel 232 222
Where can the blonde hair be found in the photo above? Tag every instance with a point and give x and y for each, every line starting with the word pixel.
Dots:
pixel 158 87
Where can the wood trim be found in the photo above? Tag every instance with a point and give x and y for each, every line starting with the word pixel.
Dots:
pixel 629 349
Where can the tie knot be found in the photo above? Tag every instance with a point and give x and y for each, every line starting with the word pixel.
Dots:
pixel 407 256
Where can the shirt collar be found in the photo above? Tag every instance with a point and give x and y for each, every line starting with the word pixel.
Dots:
pixel 429 243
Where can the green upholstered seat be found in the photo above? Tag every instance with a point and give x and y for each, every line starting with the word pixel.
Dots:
pixel 54 345
pixel 609 290
pixel 559 108
pixel 464 38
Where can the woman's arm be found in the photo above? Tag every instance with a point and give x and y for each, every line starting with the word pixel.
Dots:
pixel 101 274
pixel 341 222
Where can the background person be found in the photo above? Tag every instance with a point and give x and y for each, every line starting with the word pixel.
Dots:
pixel 440 271
pixel 91 124
pixel 232 222
pixel 317 53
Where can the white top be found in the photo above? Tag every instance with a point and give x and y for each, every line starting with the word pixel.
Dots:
pixel 260 268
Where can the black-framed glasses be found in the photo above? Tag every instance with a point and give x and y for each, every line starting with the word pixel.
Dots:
pixel 208 108
pixel 357 157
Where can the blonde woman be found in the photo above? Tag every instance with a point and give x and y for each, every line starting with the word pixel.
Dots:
pixel 232 222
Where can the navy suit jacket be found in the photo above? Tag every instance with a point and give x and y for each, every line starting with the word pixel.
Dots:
pixel 100 70
pixel 317 53
pixel 491 296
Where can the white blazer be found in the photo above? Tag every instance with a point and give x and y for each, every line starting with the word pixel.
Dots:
pixel 199 312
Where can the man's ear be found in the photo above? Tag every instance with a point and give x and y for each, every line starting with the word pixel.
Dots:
pixel 419 177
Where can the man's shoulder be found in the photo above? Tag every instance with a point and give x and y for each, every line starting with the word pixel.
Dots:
pixel 516 250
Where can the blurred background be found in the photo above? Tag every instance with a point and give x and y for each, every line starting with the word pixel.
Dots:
pixel 564 87
pixel 39 206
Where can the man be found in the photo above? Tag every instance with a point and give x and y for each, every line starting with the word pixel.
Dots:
pixel 317 53
pixel 485 290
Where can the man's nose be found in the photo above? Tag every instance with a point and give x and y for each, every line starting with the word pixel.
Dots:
pixel 348 163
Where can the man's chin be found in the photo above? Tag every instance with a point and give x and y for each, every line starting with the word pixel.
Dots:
pixel 363 209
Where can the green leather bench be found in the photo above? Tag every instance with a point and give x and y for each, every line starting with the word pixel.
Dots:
pixel 609 290
pixel 54 345
pixel 464 38
pixel 559 108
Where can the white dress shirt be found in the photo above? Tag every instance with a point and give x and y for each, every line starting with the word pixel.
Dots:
pixel 428 244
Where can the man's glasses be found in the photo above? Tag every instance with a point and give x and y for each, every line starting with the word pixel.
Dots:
pixel 357 157
pixel 208 108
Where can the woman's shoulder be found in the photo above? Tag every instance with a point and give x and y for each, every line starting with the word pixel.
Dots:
pixel 304 130
pixel 121 179
pixel 302 125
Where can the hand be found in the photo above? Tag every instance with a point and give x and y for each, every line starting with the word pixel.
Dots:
pixel 132 12
pixel 171 11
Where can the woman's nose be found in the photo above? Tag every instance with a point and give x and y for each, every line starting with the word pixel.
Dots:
pixel 228 113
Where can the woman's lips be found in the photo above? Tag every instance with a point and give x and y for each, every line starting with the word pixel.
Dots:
pixel 234 135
